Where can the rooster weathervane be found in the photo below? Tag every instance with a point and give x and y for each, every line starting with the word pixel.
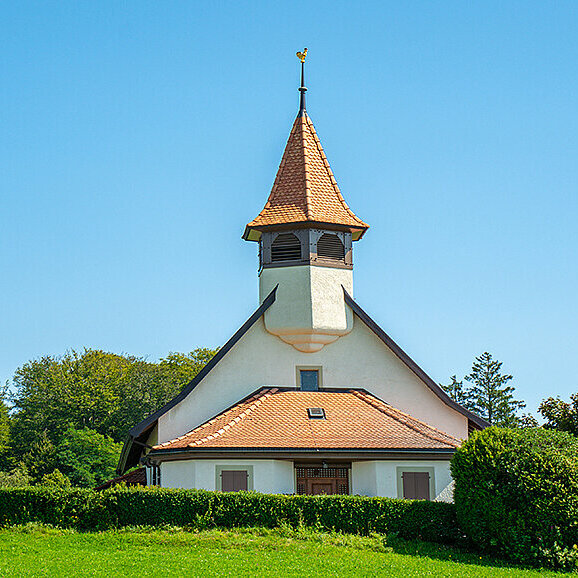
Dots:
pixel 302 55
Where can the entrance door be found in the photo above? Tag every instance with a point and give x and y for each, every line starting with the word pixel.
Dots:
pixel 318 480
pixel 314 488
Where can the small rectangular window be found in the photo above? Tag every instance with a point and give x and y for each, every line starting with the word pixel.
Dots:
pixel 309 379
pixel 234 480
pixel 415 485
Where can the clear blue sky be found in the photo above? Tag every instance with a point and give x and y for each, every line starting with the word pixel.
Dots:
pixel 138 138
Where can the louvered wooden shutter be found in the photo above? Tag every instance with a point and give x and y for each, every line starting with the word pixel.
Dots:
pixel 234 480
pixel 286 247
pixel 415 485
pixel 330 247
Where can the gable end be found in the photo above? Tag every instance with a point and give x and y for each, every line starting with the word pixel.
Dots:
pixel 476 420
pixel 137 435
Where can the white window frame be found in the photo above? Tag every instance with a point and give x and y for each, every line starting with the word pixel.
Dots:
pixel 317 368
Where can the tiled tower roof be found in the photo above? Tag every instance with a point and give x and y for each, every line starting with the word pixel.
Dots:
pixel 305 190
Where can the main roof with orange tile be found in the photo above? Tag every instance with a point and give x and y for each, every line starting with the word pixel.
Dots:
pixel 277 418
pixel 305 190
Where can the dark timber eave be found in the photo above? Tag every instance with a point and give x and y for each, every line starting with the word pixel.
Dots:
pixel 302 453
pixel 137 435
pixel 479 422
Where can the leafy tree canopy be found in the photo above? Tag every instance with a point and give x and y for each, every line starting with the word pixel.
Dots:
pixel 15 478
pixel 105 392
pixel 69 413
pixel 86 457
pixel 561 415
pixel 55 480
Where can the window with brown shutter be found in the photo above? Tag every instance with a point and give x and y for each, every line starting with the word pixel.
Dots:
pixel 415 485
pixel 234 480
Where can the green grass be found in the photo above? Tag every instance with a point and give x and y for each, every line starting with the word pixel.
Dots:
pixel 35 550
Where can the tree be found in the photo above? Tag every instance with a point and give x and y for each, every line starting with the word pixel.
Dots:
pixel 4 429
pixel 55 480
pixel 104 392
pixel 86 457
pixel 457 392
pixel 16 478
pixel 489 393
pixel 181 368
pixel 560 415
pixel 41 458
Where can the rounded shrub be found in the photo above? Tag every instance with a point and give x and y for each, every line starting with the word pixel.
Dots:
pixel 516 493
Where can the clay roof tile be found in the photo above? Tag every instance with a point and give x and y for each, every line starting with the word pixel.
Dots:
pixel 305 189
pixel 355 419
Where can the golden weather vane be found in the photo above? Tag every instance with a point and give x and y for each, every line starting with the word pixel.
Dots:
pixel 302 55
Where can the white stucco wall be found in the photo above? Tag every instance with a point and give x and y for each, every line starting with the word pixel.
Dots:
pixel 359 359
pixel 367 478
pixel 269 476
pixel 309 309
pixel 380 478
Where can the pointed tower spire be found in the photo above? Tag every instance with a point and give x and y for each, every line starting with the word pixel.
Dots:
pixel 302 89
pixel 305 234
pixel 305 192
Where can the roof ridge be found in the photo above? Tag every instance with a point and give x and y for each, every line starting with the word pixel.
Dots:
pixel 407 420
pixel 254 401
pixel 410 363
pixel 332 178
pixel 307 183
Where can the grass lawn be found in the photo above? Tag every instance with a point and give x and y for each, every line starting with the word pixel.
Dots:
pixel 40 551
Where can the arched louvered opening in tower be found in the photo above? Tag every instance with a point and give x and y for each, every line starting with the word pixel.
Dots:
pixel 286 247
pixel 330 247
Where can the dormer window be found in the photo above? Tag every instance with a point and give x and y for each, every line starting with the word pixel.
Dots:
pixel 286 247
pixel 329 246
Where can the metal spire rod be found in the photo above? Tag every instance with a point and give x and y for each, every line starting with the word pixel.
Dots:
pixel 302 89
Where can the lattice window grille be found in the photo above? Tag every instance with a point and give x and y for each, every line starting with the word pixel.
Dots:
pixel 322 473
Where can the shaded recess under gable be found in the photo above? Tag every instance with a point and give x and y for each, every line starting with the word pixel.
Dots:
pixel 137 437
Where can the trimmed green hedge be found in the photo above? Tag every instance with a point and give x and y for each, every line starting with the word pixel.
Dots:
pixel 516 494
pixel 90 510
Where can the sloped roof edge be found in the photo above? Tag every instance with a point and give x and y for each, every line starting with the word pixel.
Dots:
pixel 410 363
pixel 128 456
pixel 263 398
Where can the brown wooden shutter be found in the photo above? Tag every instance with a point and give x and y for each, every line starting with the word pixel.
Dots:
pixel 234 480
pixel 415 485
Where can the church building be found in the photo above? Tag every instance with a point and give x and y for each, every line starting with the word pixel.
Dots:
pixel 310 395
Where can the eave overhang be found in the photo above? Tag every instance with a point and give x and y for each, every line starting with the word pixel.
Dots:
pixel 173 454
pixel 254 233
pixel 137 436
pixel 478 422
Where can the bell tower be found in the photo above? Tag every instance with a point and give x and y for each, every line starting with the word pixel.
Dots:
pixel 305 234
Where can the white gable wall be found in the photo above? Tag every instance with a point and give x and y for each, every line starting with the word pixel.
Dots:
pixel 359 359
